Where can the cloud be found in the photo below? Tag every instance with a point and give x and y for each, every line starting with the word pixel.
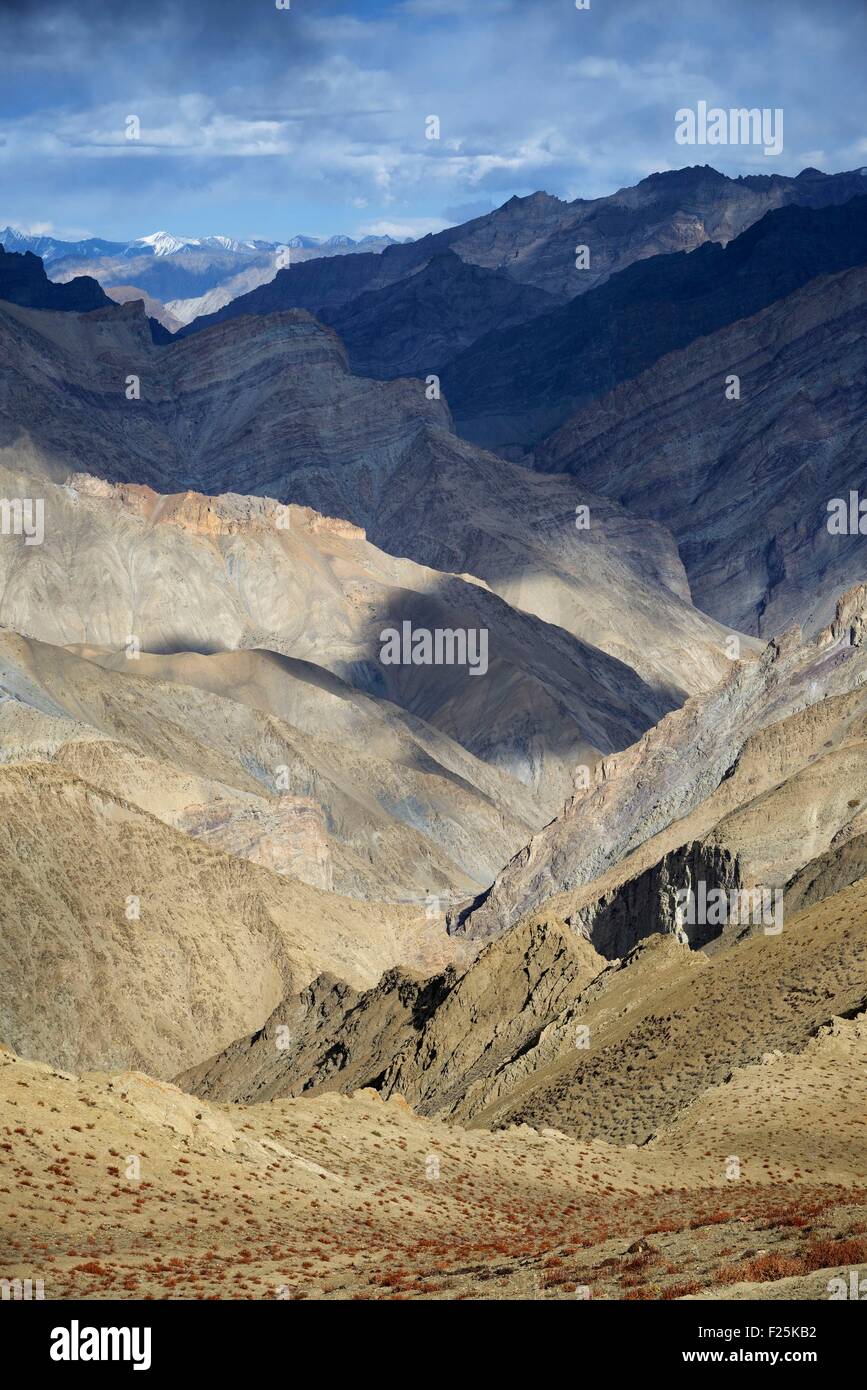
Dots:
pixel 465 212
pixel 413 227
pixel 314 116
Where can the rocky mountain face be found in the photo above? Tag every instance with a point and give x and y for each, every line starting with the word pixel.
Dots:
pixel 270 406
pixel 533 239
pixel 412 328
pixel 511 388
pixel 757 734
pixel 738 444
pixel 231 573
pixel 530 242
pixel 521 958
pixel 441 1031
pixel 599 1003
pixel 184 275
pixel 264 767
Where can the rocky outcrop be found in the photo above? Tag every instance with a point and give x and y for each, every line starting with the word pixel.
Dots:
pixel 689 766
pixel 423 1040
pixel 23 281
pixel 539 1031
pixel 648 903
pixel 154 308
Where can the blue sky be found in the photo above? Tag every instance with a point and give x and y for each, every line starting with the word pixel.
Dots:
pixel 264 122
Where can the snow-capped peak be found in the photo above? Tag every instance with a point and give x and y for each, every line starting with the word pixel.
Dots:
pixel 165 244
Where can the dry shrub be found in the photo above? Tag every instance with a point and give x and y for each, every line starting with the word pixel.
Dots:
pixel 820 1254
pixel 762 1269
pixel 680 1290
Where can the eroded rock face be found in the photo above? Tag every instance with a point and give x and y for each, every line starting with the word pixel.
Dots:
pixel 684 762
pixel 647 904
pixel 290 838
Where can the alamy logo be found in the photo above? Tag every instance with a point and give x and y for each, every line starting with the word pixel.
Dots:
pixel 442 646
pixel 23 516
pixel 740 906
pixel 738 126
pixel 22 1290
pixel 847 517
pixel 856 1288
pixel 76 1343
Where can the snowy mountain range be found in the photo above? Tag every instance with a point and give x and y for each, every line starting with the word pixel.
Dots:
pixel 163 243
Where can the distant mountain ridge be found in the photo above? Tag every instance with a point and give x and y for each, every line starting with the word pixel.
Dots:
pixel 181 277
pixel 163 243
pixel 413 309
pixel 531 241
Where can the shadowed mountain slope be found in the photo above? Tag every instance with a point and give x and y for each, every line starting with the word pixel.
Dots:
pixel 532 240
pixel 745 483
pixel 196 574
pixel 268 406
pixel 23 281
pixel 511 388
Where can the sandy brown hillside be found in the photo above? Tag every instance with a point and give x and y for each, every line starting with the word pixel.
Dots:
pixel 272 759
pixel 215 945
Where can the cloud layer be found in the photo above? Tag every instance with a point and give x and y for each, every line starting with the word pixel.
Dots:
pixel 257 121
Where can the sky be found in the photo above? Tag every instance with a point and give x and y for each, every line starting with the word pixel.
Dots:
pixel 256 121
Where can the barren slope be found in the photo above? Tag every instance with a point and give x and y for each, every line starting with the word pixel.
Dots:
pixel 339 1198
pixel 216 942
pixel 272 759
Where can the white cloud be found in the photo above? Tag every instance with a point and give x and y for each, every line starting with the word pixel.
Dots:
pixel 410 227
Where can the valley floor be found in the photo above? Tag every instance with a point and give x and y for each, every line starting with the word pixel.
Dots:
pixel 352 1197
